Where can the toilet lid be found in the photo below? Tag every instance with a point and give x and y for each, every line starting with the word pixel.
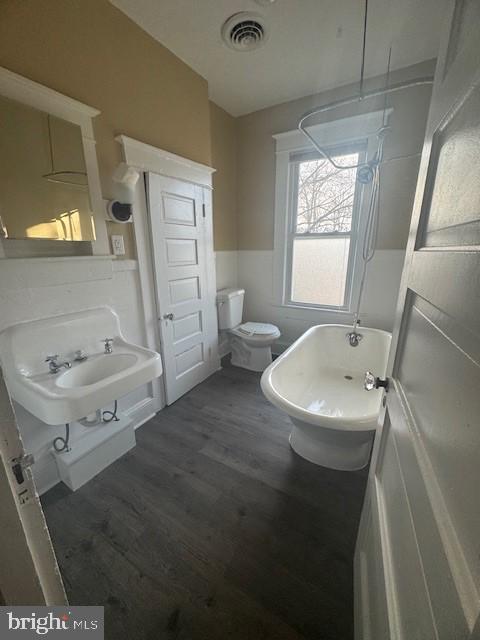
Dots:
pixel 257 328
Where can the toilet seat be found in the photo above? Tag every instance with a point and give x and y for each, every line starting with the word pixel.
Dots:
pixel 256 332
pixel 257 329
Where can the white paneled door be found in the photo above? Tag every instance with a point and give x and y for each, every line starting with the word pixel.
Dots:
pixel 417 562
pixel 182 247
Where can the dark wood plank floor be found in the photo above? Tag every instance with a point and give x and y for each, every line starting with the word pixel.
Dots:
pixel 212 528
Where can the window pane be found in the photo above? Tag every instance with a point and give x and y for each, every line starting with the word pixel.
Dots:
pixel 319 270
pixel 325 195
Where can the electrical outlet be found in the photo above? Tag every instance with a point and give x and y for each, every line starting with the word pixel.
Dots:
pixel 118 246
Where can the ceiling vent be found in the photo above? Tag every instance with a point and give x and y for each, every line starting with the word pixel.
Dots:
pixel 244 31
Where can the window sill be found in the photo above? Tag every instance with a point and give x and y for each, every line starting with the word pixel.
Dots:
pixel 303 307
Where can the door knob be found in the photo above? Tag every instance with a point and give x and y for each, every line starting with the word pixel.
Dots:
pixel 373 382
pixel 168 316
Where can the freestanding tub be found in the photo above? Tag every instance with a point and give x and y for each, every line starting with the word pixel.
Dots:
pixel 319 382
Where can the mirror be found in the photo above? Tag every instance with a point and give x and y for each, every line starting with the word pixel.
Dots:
pixel 44 189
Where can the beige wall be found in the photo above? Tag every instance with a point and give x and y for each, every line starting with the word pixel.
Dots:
pixel 256 158
pixel 89 50
pixel 224 159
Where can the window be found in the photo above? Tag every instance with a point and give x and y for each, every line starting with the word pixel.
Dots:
pixel 320 218
pixel 322 228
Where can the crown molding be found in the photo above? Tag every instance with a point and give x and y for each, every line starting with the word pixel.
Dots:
pixel 145 157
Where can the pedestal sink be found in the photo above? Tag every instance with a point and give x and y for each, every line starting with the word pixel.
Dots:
pixel 92 384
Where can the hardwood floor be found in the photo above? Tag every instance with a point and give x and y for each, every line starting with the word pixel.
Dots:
pixel 212 527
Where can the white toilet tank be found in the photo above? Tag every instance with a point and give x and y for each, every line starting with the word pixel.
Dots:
pixel 230 307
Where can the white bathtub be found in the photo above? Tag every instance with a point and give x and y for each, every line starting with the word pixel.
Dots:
pixel 319 382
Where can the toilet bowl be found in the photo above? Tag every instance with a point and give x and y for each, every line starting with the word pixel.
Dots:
pixel 251 345
pixel 250 342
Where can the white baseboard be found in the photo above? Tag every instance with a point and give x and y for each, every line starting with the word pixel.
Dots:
pixel 223 351
pixel 141 412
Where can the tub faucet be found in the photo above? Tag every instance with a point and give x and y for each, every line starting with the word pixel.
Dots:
pixel 55 366
pixel 353 336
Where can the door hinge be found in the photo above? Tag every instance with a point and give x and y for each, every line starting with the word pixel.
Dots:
pixel 203 210
pixel 20 464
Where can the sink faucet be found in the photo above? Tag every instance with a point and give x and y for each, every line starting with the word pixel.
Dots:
pixel 55 366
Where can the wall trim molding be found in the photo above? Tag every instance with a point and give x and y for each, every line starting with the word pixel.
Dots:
pixel 36 95
pixel 145 157
pixel 52 259
pixel 141 225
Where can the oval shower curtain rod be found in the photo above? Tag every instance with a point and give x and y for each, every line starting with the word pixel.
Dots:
pixel 360 97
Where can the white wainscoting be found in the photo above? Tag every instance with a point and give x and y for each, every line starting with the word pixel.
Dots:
pixel 255 275
pixel 35 288
pixel 226 265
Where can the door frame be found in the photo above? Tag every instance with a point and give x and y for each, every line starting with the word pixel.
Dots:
pixel 144 158
pixel 29 572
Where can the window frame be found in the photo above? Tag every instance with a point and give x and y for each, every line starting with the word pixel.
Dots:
pixel 350 132
pixel 295 160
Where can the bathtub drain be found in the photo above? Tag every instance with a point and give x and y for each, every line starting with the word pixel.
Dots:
pixel 348 377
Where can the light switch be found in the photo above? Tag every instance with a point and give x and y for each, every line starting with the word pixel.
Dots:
pixel 118 246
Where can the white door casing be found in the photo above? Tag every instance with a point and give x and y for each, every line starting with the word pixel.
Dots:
pixel 29 574
pixel 417 561
pixel 182 248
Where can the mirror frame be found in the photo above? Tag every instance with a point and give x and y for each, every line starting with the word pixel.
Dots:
pixel 32 94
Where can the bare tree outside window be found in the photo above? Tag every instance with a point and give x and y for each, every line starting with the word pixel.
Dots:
pixel 322 224
pixel 325 195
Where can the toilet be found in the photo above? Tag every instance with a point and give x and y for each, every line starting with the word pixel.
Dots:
pixel 250 342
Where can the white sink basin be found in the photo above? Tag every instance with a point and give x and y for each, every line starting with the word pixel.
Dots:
pixel 95 370
pixel 74 393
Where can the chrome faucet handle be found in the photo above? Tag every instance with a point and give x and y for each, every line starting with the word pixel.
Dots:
pixel 108 345
pixel 55 366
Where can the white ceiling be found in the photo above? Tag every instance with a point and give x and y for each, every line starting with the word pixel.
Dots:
pixel 313 45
